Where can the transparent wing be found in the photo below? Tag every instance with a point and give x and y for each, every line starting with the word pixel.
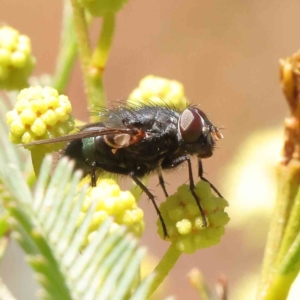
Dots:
pixel 86 132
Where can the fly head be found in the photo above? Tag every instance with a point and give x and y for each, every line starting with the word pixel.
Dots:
pixel 197 133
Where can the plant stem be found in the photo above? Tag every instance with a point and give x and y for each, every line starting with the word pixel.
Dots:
pixel 84 46
pixel 288 183
pixel 282 255
pixel 293 225
pixel 164 267
pixel 67 52
pixel 283 277
pixel 288 178
pixel 99 59
pixel 93 65
pixel 101 51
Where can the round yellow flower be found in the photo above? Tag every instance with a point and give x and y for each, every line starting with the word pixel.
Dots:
pixel 16 60
pixel 111 201
pixel 159 91
pixel 39 113
pixel 183 220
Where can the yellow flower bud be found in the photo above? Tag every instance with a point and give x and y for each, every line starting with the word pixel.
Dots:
pixel 33 117
pixel 112 201
pixel 159 91
pixel 16 60
pixel 184 222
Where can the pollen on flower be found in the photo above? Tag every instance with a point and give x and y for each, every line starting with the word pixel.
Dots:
pixel 160 91
pixel 111 201
pixel 16 60
pixel 35 116
pixel 185 224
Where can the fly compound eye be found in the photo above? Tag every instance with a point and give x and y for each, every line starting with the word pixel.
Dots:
pixel 191 125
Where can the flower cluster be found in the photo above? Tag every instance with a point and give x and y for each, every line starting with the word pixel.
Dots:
pixel 184 222
pixel 112 201
pixel 16 60
pixel 160 91
pixel 99 8
pixel 39 113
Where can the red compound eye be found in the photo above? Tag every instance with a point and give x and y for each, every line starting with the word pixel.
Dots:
pixel 191 124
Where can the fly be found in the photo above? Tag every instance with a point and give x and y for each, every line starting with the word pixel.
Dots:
pixel 139 141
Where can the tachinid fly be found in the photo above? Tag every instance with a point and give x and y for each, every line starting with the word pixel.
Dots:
pixel 138 141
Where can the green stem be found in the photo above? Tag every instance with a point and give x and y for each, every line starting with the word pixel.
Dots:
pixel 291 231
pixel 99 59
pixel 101 51
pixel 67 52
pixel 99 98
pixel 291 261
pixel 93 65
pixel 288 184
pixel 283 277
pixel 164 267
pixel 84 47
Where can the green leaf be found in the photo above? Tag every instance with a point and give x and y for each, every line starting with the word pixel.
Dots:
pixel 45 224
pixel 4 227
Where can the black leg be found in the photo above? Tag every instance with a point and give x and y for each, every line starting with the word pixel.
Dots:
pixel 162 182
pixel 152 198
pixel 200 170
pixel 192 187
pixel 177 162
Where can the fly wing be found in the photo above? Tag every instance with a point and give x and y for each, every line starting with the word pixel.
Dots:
pixel 111 118
pixel 86 132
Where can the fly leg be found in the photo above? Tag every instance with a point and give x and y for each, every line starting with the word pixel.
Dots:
pixel 200 171
pixel 162 182
pixel 176 162
pixel 192 188
pixel 152 198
